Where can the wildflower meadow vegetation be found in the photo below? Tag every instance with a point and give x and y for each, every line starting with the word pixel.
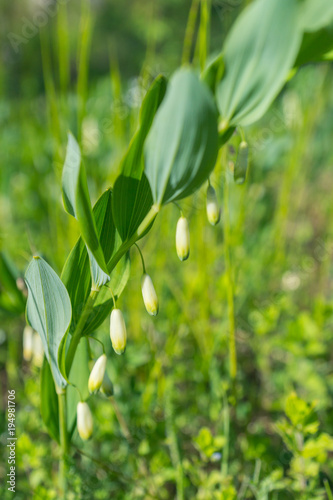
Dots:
pixel 166 245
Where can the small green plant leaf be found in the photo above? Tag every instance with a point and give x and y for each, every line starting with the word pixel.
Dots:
pixel 104 302
pixel 75 273
pixel 77 203
pixel 132 197
pixel 182 145
pixel 258 53
pixel 48 311
pixel 301 414
pixel 315 14
pixel 225 135
pixel 49 402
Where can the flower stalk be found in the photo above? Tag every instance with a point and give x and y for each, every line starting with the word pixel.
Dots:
pixel 229 272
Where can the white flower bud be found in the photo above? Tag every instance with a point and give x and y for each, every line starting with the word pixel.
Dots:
pixel 212 207
pixel 84 421
pixel 118 331
pixel 97 374
pixel 107 386
pixel 28 336
pixel 182 239
pixel 149 295
pixel 241 163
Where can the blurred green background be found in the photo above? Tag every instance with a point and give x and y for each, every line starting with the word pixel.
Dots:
pixel 182 432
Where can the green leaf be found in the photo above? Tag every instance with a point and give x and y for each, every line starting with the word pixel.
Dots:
pixel 259 52
pixel 49 402
pixel 11 298
pixel 77 203
pixel 132 197
pixel 315 14
pixel 316 47
pixel 48 311
pixel 76 276
pixel 182 145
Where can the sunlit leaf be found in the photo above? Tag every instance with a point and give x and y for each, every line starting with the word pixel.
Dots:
pixel 182 145
pixel 48 311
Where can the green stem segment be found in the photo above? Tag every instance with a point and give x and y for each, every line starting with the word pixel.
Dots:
pixel 229 276
pixel 63 442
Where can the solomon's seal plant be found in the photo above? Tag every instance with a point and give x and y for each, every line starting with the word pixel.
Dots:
pixel 183 127
pixel 212 206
